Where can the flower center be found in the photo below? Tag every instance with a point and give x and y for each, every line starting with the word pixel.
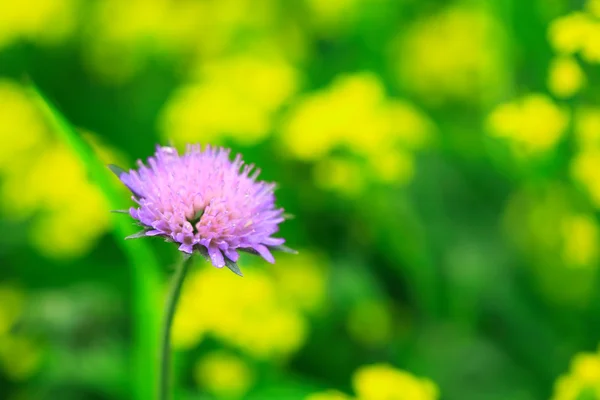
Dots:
pixel 195 219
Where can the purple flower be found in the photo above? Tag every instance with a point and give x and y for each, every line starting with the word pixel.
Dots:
pixel 206 202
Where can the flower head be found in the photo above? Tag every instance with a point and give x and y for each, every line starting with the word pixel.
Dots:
pixel 204 201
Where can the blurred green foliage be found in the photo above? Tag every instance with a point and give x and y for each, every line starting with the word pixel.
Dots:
pixel 440 158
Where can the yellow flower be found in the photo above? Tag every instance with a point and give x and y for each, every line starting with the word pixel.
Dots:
pixel 568 34
pixel 11 306
pixel 333 15
pixel 587 127
pixel 580 238
pixel 558 239
pixel 124 34
pixel 354 114
pixel 584 170
pixel 582 378
pixel 235 98
pixel 301 279
pixel 18 116
pixel 384 382
pixel 272 320
pixel 565 77
pixel 533 124
pixel 43 21
pixel 224 375
pixel 20 356
pixel 44 178
pixel 456 54
pixel 593 7
pixel 393 166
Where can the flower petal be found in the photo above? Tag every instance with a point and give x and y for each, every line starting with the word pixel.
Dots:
pixel 216 257
pixel 264 253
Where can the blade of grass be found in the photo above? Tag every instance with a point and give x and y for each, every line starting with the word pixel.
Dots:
pixel 145 267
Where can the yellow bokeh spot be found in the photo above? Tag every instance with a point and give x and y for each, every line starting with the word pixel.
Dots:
pixel 301 279
pixel 533 124
pixel 333 15
pixel 42 21
pixel 45 179
pixel 593 7
pixel 384 382
pixel 590 51
pixel 581 381
pixel 584 170
pixel 354 114
pixel 580 240
pixel 456 54
pixel 224 375
pixel 393 167
pixel 565 77
pixel 568 34
pixel 587 127
pixel 22 131
pixel 273 325
pixel 11 306
pixel 235 99
pixel 19 356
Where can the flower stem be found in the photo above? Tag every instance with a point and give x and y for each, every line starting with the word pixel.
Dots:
pixel 164 384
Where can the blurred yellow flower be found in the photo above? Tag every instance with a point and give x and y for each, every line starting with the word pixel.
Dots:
pixel 18 116
pixel 567 34
pixel 11 306
pixel 124 35
pixel 224 375
pixel 591 46
pixel 393 166
pixel 354 114
pixel 334 15
pixel 533 124
pixel 42 21
pixel 234 98
pixel 44 180
pixel 20 357
pixel 584 170
pixel 268 308
pixel 301 280
pixel 577 32
pixel 456 54
pixel 580 240
pixel 587 127
pixel 565 77
pixel 593 7
pixel 582 379
pixel 384 382
pixel 558 240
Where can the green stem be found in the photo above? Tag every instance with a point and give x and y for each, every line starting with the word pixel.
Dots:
pixel 164 384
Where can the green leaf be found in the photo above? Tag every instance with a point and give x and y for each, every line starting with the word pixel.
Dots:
pixel 146 277
pixel 232 265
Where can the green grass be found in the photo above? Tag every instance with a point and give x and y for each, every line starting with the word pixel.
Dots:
pixel 145 267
